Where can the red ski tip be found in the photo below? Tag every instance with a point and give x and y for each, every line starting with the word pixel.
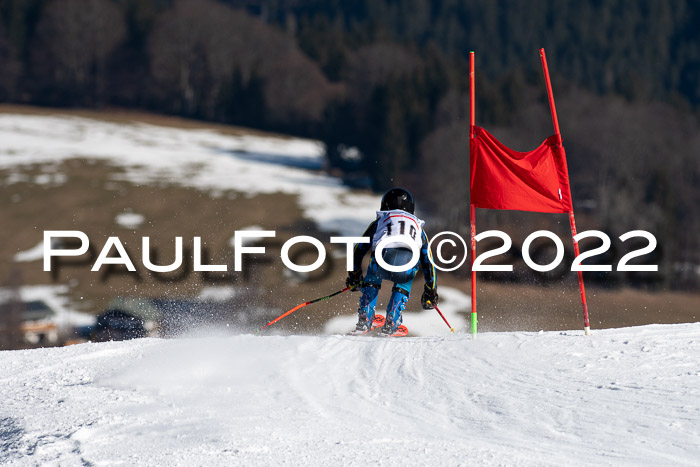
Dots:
pixel 401 331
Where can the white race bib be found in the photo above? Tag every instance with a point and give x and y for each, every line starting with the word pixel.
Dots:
pixel 398 223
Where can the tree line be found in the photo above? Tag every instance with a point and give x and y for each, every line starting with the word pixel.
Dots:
pixel 383 83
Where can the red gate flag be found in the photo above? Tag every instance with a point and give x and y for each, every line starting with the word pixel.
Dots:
pixel 502 178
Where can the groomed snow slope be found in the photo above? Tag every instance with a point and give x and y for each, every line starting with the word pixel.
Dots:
pixel 620 397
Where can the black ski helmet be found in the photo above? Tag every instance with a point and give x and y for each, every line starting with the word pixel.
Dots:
pixel 398 198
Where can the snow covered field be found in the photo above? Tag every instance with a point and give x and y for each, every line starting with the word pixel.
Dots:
pixel 218 164
pixel 620 397
pixel 201 159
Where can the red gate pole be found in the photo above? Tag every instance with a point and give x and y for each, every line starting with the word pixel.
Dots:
pixel 572 220
pixel 472 210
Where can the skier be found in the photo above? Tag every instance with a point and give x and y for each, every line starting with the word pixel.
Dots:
pixel 395 218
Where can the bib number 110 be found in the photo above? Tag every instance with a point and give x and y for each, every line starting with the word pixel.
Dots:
pixel 402 229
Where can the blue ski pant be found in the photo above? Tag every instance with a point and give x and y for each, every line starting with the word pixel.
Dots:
pixel 400 293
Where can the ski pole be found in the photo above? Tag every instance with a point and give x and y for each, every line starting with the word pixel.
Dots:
pixel 443 317
pixel 302 306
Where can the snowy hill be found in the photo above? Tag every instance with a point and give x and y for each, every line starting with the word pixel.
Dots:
pixel 202 159
pixel 114 175
pixel 620 397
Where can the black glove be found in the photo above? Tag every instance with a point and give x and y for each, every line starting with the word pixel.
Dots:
pixel 429 295
pixel 354 280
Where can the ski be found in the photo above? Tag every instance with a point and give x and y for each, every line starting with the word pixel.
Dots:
pixel 401 331
pixel 377 322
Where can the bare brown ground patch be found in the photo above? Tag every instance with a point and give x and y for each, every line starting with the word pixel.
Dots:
pixel 504 307
pixel 89 200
